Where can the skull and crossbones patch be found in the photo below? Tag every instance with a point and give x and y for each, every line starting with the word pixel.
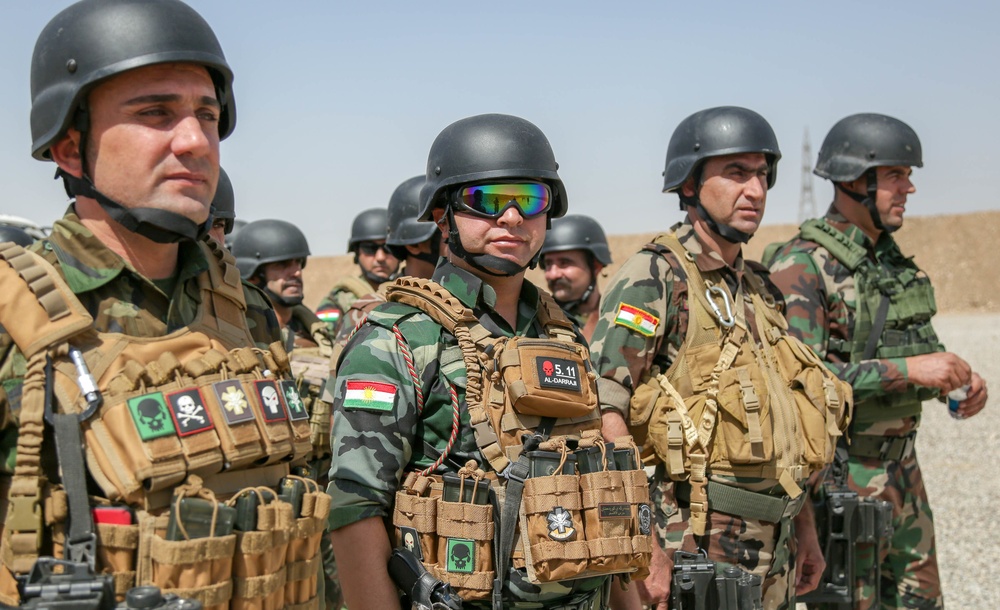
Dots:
pixel 272 405
pixel 188 410
pixel 151 416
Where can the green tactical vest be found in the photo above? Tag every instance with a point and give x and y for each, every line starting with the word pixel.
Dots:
pixel 908 330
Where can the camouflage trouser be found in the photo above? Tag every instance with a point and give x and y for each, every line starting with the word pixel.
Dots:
pixel 909 570
pixel 765 549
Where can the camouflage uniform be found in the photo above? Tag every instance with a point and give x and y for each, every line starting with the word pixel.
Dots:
pixel 335 305
pixel 373 449
pixel 621 357
pixel 821 299
pixel 120 300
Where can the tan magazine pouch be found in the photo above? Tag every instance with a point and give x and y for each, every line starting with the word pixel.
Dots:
pixel 259 561
pixel 198 568
pixel 555 546
pixel 302 560
pixel 415 516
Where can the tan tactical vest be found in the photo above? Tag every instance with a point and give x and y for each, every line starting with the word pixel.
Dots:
pixel 310 368
pixel 571 525
pixel 198 413
pixel 728 406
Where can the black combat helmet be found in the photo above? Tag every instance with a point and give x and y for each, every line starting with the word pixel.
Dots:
pixel 577 232
pixel 370 225
pixel 93 40
pixel 726 130
pixel 224 203
pixel 10 233
pixel 268 241
pixel 404 229
pixel 482 148
pixel 857 144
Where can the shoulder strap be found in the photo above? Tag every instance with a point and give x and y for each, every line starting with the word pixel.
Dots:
pixel 431 298
pixel 355 285
pixel 38 309
pixel 839 245
pixel 225 287
pixel 554 320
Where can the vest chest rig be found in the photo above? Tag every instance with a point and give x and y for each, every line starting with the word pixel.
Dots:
pixel 532 403
pixel 895 304
pixel 159 424
pixel 730 407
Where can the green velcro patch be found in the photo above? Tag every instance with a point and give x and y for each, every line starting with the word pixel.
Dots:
pixel 151 416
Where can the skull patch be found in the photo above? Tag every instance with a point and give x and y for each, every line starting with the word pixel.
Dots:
pixel 461 555
pixel 270 401
pixel 188 410
pixel 151 416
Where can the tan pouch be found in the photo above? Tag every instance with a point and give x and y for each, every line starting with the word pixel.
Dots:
pixel 302 560
pixel 555 546
pixel 415 517
pixel 744 427
pixel 637 495
pixel 821 399
pixel 465 543
pixel 607 518
pixel 199 568
pixel 117 546
pixel 547 378
pixel 259 560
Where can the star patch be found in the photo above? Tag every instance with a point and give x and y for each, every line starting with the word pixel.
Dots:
pixel 560 524
pixel 461 555
pixel 151 416
pixel 296 408
pixel 187 408
pixel 637 319
pixel 271 403
pixel 235 406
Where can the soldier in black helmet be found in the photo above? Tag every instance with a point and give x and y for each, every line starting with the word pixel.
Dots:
pixel 693 357
pixel 137 368
pixel 574 254
pixel 416 410
pixel 376 260
pixel 17 235
pixel 866 309
pixel 223 210
pixel 417 244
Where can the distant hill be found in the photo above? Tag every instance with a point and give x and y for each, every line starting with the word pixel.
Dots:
pixel 956 251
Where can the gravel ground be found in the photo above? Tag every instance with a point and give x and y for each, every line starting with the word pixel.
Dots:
pixel 960 460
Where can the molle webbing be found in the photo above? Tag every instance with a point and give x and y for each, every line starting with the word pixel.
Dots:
pixel 473 340
pixel 850 254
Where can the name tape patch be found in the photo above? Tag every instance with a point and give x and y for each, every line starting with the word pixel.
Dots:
pixel 558 373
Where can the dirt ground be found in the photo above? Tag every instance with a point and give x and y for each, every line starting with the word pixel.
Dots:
pixel 954 250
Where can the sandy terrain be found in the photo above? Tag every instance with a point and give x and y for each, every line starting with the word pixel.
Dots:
pixel 956 251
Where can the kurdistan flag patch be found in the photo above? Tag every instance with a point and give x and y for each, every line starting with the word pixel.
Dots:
pixel 370 395
pixel 636 319
pixel 330 315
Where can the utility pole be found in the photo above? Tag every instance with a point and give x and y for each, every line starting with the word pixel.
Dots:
pixel 807 202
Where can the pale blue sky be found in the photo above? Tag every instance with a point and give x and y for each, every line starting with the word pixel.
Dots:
pixel 338 102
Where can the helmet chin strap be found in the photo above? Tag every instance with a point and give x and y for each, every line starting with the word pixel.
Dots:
pixel 487 263
pixel 161 226
pixel 724 231
pixel 435 253
pixel 869 200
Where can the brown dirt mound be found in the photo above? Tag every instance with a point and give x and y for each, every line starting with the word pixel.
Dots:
pixel 954 250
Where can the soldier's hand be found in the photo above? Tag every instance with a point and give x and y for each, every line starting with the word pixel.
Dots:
pixel 809 559
pixel 942 370
pixel 976 399
pixel 655 589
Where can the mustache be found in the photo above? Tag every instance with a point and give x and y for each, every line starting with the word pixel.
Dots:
pixel 560 283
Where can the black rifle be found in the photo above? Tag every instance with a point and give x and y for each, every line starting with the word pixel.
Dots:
pixel 66 585
pixel 423 591
pixel 696 586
